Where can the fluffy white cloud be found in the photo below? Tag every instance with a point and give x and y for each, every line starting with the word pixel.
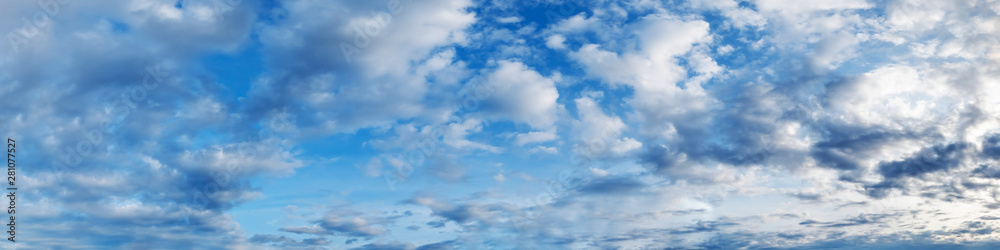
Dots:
pixel 555 42
pixel 348 63
pixel 455 135
pixel 522 95
pixel 652 71
pixel 601 135
pixel 899 98
pixel 535 137
pixel 793 7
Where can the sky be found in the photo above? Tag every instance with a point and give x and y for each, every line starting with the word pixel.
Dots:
pixel 500 124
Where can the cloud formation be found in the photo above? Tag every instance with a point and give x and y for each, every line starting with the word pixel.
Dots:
pixel 448 124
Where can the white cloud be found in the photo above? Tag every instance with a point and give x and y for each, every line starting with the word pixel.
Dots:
pixel 600 135
pixel 349 64
pixel 510 19
pixel 534 137
pixel 544 149
pixel 456 133
pixel 522 95
pixel 797 7
pixel 576 23
pixel 663 37
pixel 739 17
pixel 653 73
pixel 834 49
pixel 896 97
pixel 555 42
pixel 724 50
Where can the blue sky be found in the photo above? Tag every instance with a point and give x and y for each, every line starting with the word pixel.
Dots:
pixel 464 124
